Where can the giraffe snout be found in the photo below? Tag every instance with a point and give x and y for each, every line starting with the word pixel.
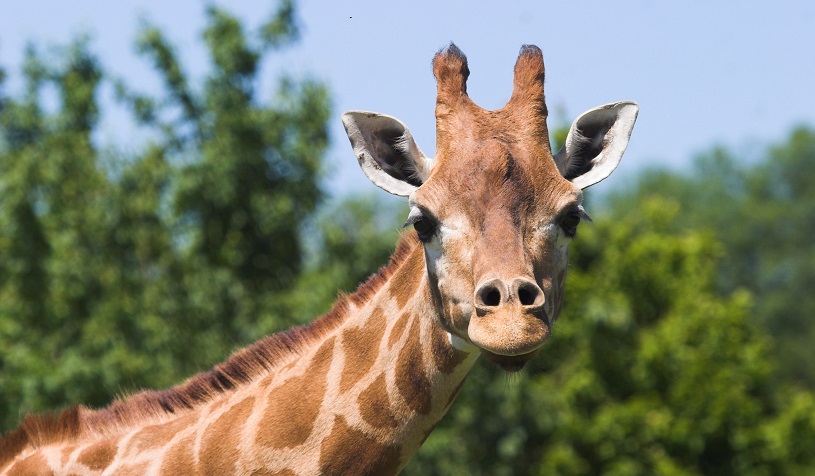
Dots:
pixel 510 323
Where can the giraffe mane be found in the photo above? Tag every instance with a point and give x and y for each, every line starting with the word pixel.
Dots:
pixel 243 366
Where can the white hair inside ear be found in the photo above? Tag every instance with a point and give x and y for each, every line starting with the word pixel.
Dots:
pixel 386 151
pixel 596 143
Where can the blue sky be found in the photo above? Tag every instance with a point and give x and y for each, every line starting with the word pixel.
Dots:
pixel 704 72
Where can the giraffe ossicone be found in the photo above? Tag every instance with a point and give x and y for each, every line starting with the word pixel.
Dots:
pixel 360 389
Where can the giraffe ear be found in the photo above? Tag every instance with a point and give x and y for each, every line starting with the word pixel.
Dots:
pixel 387 152
pixel 596 142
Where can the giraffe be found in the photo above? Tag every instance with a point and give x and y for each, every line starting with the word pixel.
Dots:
pixel 359 390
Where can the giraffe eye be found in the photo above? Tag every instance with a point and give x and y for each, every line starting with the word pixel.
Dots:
pixel 425 227
pixel 569 223
pixel 572 218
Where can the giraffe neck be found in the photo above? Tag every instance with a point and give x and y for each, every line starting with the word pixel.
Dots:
pixel 399 374
pixel 359 398
pixel 382 382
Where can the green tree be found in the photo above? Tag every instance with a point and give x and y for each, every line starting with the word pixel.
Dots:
pixel 762 213
pixel 54 218
pixel 122 272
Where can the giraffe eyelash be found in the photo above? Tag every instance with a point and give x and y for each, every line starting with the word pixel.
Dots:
pixel 582 212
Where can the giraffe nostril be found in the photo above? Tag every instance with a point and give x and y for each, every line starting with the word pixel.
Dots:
pixel 527 296
pixel 491 297
pixel 529 293
pixel 490 293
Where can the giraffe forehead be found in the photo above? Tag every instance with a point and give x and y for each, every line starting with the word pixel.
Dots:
pixel 477 178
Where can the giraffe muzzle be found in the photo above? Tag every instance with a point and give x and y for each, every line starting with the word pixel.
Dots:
pixel 510 323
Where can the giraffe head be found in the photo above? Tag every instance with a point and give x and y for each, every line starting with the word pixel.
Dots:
pixel 495 209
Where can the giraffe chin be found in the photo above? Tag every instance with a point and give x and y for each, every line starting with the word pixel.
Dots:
pixel 509 363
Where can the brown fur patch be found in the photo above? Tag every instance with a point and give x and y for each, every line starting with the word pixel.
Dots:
pixel 361 348
pixel 375 406
pixel 350 451
pixel 293 407
pixel 35 464
pixel 412 382
pixel 220 448
pixel 242 367
pixel 445 356
pixel 406 280
pixel 179 459
pixel 99 455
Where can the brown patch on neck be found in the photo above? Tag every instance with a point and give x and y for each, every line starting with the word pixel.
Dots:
pixel 220 446
pixel 361 348
pixel 264 472
pixel 34 464
pixel 348 450
pixel 99 455
pixel 294 406
pixel 445 356
pixel 375 406
pixel 405 249
pixel 180 458
pixel 65 454
pixel 412 380
pixel 240 368
pixel 161 434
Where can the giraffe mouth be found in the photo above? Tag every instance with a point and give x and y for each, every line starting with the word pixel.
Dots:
pixel 509 363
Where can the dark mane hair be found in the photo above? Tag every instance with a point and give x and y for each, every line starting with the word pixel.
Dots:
pixel 241 367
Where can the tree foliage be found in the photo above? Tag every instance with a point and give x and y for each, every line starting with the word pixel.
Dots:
pixel 763 216
pixel 136 271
